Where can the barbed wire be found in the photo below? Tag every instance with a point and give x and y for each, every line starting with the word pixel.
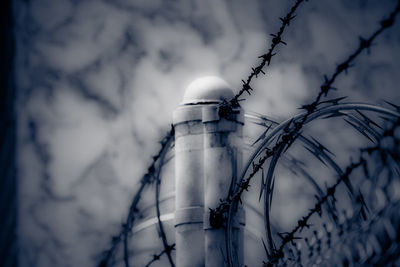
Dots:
pixel 294 127
pixel 267 57
pixel 284 141
pixel 226 107
pixel 318 150
pixel 157 257
pixel 146 180
pixel 289 237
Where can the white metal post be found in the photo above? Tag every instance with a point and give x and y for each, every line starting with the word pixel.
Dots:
pixel 207 158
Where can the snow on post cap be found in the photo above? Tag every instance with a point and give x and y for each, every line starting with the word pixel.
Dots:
pixel 207 89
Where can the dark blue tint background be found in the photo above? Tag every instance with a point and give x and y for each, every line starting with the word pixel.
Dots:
pixel 97 82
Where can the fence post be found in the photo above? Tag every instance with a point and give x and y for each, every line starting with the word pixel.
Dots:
pixel 208 158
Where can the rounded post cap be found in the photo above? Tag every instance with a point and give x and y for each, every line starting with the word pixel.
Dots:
pixel 208 89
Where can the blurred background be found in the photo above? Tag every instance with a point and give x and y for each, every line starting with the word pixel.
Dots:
pixel 90 87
